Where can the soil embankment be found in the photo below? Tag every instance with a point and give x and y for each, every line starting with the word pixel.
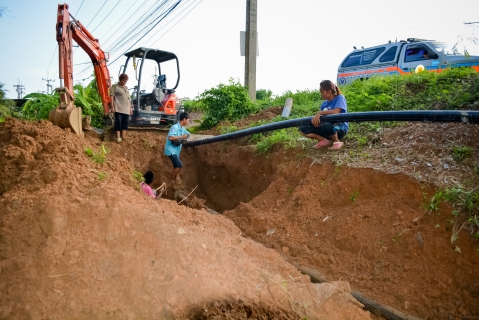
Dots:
pixel 78 240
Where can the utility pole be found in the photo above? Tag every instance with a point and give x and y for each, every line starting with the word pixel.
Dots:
pixel 20 90
pixel 49 86
pixel 251 47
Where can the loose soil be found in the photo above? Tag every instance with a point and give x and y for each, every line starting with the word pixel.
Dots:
pixel 79 240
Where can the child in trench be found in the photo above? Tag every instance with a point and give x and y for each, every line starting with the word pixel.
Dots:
pixel 154 194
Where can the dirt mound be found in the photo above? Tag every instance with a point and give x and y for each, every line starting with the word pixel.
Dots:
pixel 439 154
pixel 78 240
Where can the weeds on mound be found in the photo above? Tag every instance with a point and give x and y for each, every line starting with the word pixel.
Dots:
pixel 100 156
pixel 466 214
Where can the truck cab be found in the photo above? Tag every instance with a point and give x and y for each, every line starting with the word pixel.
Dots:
pixel 400 58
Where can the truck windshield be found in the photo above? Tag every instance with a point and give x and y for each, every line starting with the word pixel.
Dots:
pixel 446 49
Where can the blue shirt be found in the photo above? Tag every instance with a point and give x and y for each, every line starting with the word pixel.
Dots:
pixel 338 102
pixel 175 131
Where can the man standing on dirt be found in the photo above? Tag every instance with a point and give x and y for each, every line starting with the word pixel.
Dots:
pixel 121 106
pixel 174 143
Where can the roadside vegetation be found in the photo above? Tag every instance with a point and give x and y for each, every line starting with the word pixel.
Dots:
pixel 7 106
pixel 39 105
pixel 453 89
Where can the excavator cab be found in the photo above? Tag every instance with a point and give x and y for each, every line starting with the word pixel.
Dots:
pixel 160 105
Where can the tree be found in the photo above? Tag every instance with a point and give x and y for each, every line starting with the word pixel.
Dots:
pixel 7 106
pixel 467 39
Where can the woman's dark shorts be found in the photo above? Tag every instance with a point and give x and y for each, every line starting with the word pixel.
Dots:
pixel 175 159
pixel 121 121
pixel 325 130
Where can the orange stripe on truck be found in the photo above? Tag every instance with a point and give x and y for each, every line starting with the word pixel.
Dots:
pixel 380 70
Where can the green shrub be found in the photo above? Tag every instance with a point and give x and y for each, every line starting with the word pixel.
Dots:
pixel 263 94
pixel 89 100
pixel 305 103
pixel 226 102
pixel 194 105
pixel 451 89
pixel 7 106
pixel 39 105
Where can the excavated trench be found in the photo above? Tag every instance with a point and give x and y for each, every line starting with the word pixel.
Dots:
pixel 359 225
pixel 226 180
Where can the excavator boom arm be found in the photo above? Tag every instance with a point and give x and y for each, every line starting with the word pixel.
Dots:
pixel 69 29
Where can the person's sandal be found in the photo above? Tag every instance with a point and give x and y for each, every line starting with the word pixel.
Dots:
pixel 321 144
pixel 337 145
pixel 118 140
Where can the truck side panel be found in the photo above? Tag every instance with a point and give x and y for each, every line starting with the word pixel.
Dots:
pixel 409 56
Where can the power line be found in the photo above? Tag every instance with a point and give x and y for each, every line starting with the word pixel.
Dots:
pixel 106 15
pixel 123 41
pixel 158 15
pixel 121 36
pixel 79 7
pixel 153 44
pixel 97 13
pixel 169 11
pixel 48 69
pixel 150 22
pixel 120 19
pixel 184 7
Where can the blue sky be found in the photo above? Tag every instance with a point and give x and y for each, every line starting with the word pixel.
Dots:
pixel 301 42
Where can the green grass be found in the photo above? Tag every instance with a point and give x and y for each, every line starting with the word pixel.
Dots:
pixel 138 176
pixel 102 175
pixel 354 196
pixel 266 141
pixel 100 156
pixel 466 212
pixel 461 153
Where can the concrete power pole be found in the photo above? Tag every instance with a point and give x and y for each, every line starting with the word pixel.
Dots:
pixel 251 47
pixel 20 90
pixel 49 86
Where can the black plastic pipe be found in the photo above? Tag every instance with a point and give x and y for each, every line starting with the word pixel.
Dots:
pixel 428 116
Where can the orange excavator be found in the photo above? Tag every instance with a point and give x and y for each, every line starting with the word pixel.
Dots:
pixel 156 108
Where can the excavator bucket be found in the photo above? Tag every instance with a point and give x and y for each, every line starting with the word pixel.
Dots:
pixel 66 115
